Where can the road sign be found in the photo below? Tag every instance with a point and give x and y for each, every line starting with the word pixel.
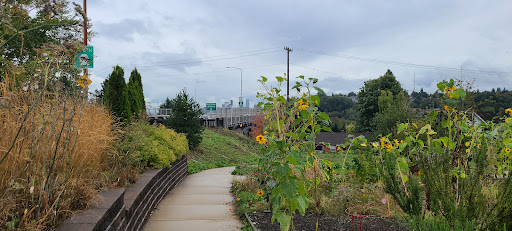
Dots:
pixel 84 81
pixel 211 106
pixel 85 58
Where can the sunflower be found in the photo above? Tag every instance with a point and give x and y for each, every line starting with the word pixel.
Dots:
pixel 507 150
pixel 260 193
pixel 448 108
pixel 261 139
pixel 509 111
pixel 303 107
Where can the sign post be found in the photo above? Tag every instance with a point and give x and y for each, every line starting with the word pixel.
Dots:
pixel 211 106
pixel 84 81
pixel 85 58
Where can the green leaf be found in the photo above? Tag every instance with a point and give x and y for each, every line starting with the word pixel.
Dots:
pixel 293 135
pixel 302 77
pixel 292 160
pixel 302 204
pixel 404 178
pixel 283 219
pixel 445 140
pixel 282 170
pixel 289 188
pixel 279 79
pixel 462 93
pixel 441 86
pixel 315 99
pixel 264 78
pixel 324 116
pixel 302 188
pixel 401 127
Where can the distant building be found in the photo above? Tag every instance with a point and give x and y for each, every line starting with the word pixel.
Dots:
pixel 226 104
pixel 231 104
pixel 247 103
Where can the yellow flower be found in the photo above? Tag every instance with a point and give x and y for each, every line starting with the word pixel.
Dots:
pixel 396 142
pixel 467 144
pixel 260 193
pixel 303 107
pixel 238 198
pixel 420 173
pixel 467 150
pixel 450 96
pixel 509 111
pixel 401 141
pixel 508 120
pixel 261 139
pixel 448 108
pixel 301 101
pixel 303 94
pixel 363 144
pixel 507 150
pixel 316 102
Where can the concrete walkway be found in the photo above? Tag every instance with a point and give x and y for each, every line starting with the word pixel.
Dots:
pixel 200 202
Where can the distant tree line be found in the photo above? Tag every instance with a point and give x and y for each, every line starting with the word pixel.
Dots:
pixel 382 103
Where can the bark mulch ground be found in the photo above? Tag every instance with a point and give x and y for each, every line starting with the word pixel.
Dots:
pixel 262 221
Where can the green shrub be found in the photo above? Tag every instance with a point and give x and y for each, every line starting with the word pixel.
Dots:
pixel 152 146
pixel 440 224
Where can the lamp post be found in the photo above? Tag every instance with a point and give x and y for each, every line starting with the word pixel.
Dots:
pixel 241 100
pixel 195 88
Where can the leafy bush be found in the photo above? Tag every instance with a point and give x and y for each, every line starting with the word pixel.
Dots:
pixel 440 224
pixel 152 146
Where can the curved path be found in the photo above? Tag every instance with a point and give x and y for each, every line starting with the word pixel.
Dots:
pixel 201 201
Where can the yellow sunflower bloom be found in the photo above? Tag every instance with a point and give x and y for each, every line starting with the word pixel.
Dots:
pixel 303 107
pixel 260 193
pixel 261 139
pixel 448 108
pixel 507 150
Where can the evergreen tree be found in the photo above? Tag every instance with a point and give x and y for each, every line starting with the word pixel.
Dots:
pixel 136 94
pixel 185 118
pixel 368 99
pixel 116 95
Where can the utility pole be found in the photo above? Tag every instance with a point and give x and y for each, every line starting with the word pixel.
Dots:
pixel 288 74
pixel 86 71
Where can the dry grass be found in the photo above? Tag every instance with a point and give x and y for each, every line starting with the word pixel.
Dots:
pixel 55 150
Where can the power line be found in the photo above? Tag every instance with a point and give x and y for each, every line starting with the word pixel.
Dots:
pixel 208 72
pixel 359 58
pixel 202 59
pixel 315 69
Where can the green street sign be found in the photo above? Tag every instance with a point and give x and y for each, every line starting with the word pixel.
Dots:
pixel 240 104
pixel 211 106
pixel 85 58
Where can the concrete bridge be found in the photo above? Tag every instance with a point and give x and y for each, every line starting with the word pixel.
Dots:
pixel 239 119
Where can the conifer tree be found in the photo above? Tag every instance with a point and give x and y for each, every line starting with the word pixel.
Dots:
pixel 116 95
pixel 136 94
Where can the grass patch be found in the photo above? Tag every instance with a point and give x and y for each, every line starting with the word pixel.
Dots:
pixel 221 148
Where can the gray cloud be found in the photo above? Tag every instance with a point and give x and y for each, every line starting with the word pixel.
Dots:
pixel 123 30
pixel 474 35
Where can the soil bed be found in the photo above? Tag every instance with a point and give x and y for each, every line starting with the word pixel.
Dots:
pixel 262 221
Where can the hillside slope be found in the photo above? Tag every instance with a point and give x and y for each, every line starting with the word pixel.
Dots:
pixel 220 148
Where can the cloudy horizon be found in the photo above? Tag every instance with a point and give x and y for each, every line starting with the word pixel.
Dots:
pixel 189 44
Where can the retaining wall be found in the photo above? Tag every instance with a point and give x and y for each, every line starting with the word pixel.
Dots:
pixel 128 209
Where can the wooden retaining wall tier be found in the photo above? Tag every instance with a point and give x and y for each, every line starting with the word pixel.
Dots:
pixel 128 209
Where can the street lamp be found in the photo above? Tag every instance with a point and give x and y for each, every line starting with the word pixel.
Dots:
pixel 241 100
pixel 195 88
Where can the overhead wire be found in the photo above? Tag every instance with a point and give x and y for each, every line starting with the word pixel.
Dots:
pixel 201 59
pixel 365 59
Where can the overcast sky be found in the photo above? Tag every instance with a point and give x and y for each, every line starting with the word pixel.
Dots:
pixel 188 44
